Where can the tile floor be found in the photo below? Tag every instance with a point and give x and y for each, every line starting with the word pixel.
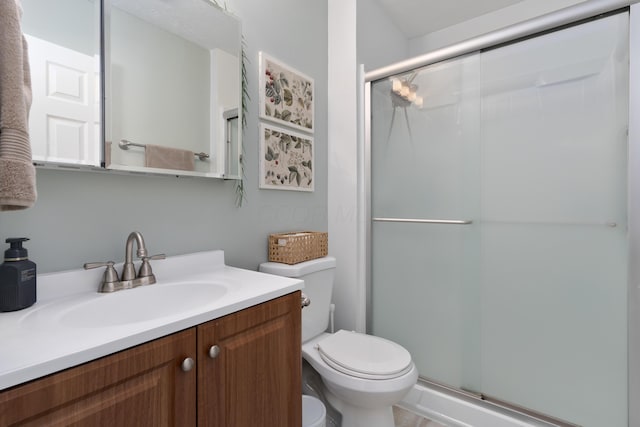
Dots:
pixel 404 418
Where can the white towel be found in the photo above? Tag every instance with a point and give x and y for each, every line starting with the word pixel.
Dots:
pixel 17 174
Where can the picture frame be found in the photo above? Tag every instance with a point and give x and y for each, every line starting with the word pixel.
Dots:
pixel 286 95
pixel 286 159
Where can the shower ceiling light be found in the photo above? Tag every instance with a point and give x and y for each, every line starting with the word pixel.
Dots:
pixel 404 93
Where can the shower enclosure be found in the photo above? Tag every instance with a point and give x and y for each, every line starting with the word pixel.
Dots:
pixel 499 231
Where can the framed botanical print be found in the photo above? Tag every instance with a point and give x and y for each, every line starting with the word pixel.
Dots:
pixel 286 95
pixel 286 159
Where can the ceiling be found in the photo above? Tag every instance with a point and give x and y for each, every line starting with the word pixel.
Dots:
pixel 419 17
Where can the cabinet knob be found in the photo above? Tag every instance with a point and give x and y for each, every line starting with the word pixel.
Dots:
pixel 214 351
pixel 187 364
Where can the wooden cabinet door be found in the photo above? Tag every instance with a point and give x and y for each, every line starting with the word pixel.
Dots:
pixel 255 379
pixel 141 386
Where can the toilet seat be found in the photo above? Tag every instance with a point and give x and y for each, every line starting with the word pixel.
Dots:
pixel 364 356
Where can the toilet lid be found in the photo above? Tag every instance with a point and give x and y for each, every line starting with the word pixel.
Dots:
pixel 364 356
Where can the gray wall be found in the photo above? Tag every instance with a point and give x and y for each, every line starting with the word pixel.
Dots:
pixel 379 41
pixel 86 216
pixel 486 23
pixel 68 23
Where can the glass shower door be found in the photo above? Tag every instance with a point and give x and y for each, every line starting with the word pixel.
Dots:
pixel 499 246
pixel 425 167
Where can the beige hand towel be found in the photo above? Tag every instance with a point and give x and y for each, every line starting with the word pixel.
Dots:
pixel 107 154
pixel 156 156
pixel 17 174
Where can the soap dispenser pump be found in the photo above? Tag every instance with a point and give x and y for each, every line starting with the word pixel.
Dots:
pixel 17 277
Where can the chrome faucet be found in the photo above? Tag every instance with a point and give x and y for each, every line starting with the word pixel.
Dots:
pixel 129 279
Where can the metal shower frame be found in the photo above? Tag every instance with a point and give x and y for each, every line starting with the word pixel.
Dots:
pixel 545 23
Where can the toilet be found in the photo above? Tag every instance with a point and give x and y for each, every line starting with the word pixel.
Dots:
pixel 363 375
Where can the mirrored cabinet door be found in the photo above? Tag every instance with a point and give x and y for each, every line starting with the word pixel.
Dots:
pixel 173 88
pixel 138 86
pixel 65 123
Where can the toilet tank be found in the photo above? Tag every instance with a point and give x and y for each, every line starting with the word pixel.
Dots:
pixel 318 275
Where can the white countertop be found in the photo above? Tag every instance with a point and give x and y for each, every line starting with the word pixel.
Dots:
pixel 35 342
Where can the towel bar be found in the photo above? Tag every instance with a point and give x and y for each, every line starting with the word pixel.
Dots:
pixel 611 224
pixel 425 221
pixel 125 144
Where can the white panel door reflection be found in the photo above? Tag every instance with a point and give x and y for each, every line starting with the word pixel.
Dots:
pixel 64 122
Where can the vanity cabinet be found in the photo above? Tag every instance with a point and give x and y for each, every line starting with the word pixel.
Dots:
pixel 142 386
pixel 251 377
pixel 249 367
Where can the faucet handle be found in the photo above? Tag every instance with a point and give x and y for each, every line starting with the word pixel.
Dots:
pixel 110 277
pixel 145 267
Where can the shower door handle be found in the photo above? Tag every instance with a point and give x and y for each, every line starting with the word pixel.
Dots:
pixel 426 221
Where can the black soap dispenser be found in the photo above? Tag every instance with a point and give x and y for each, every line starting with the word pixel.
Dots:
pixel 17 277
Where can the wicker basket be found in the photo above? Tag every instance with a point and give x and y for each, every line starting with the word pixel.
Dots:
pixel 292 248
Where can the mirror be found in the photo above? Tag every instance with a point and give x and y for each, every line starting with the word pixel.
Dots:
pixel 64 56
pixel 172 88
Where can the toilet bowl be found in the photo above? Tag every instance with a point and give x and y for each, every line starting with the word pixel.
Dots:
pixel 361 398
pixel 363 376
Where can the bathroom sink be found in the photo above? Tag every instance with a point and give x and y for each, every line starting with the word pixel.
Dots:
pixel 142 304
pixel 72 323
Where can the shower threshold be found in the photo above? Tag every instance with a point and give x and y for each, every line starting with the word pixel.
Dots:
pixel 455 408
